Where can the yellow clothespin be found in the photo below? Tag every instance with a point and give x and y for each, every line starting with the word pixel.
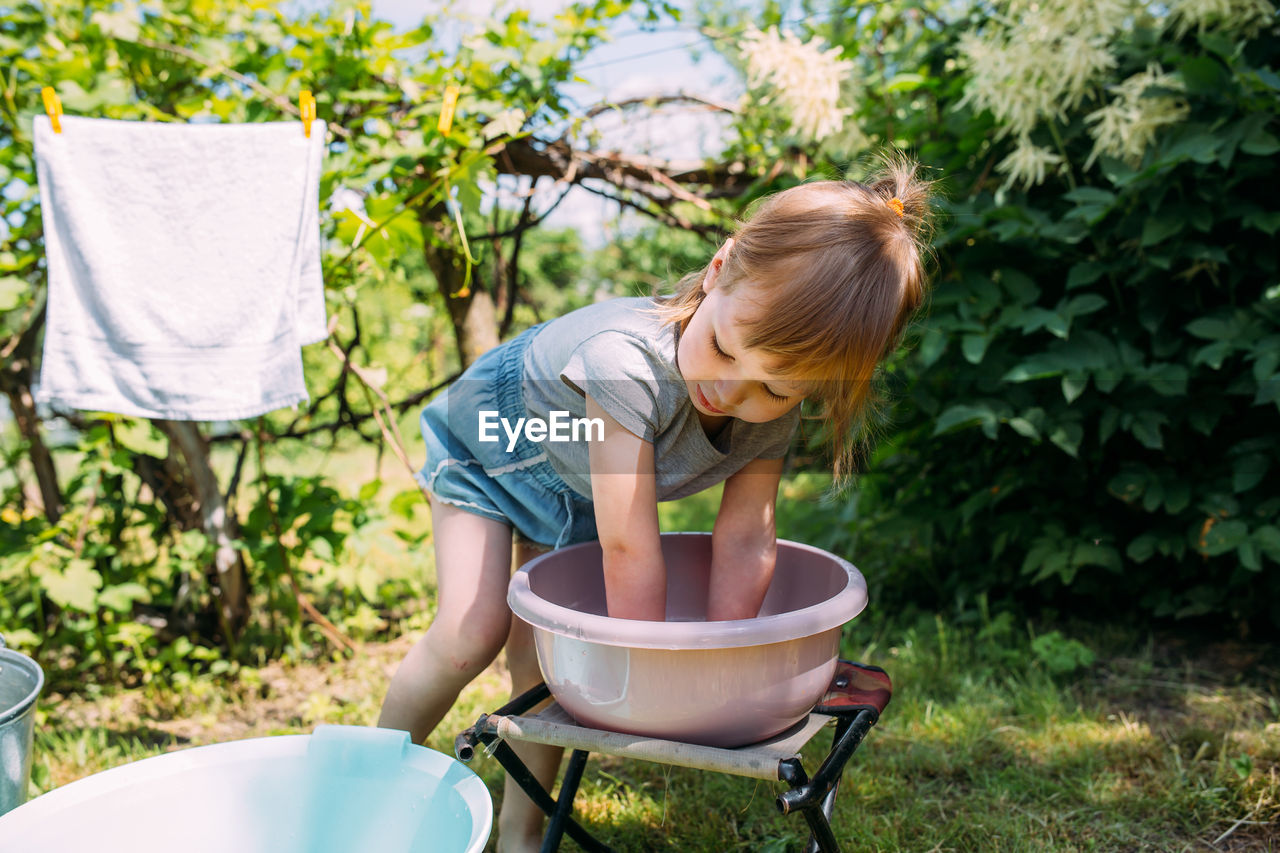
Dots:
pixel 307 107
pixel 53 106
pixel 446 109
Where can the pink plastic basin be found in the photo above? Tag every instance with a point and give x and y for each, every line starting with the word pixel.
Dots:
pixel 687 679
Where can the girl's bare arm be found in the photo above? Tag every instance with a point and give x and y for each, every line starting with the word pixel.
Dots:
pixel 624 492
pixel 744 541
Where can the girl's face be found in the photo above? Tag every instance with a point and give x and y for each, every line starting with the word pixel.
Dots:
pixel 724 378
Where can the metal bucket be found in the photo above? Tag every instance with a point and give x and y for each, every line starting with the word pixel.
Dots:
pixel 21 680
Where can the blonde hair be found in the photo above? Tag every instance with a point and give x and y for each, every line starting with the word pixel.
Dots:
pixel 836 270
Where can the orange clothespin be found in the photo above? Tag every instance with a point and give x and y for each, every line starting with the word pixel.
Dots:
pixel 53 106
pixel 446 109
pixel 307 107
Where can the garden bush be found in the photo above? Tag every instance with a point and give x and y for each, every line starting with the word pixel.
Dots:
pixel 1087 416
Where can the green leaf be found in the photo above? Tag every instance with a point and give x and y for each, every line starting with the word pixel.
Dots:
pixel 1073 386
pixel 404 502
pixel 1129 484
pixel 505 123
pixel 1211 328
pixel 1196 142
pixel 1107 383
pixel 1052 561
pixel 369 490
pixel 1154 495
pixel 1214 354
pixel 1061 655
pixel 1090 195
pixel 76 586
pixel 1248 472
pixel 13 292
pixel 121 597
pixel 1068 437
pixel 1268 392
pixel 1203 420
pixel 1019 285
pixel 1265 363
pixel 1085 304
pixel 1146 428
pixel 1107 423
pixel 1268 77
pixel 1267 538
pixel 1249 556
pixel 1159 228
pixel 1202 74
pixel 932 344
pixel 365 96
pixel 1167 380
pixel 1095 554
pixel 1035 318
pixel 1024 427
pixel 1266 221
pixel 904 82
pixel 1224 536
pixel 368 579
pixel 21 638
pixel 1142 548
pixel 962 415
pixel 1036 367
pixel 1260 143
pixel 1177 496
pixel 322 549
pixel 1085 273
pixel 974 347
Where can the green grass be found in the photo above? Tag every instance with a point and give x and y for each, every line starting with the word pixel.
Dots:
pixel 980 749
pixel 991 741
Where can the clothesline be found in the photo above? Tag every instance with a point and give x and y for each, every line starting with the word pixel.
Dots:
pixel 306 108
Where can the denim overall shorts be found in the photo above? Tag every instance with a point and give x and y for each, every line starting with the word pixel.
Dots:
pixel 518 487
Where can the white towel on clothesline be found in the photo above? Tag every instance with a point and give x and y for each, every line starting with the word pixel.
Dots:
pixel 183 264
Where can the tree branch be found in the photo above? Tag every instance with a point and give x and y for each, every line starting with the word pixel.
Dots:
pixel 653 101
pixel 558 159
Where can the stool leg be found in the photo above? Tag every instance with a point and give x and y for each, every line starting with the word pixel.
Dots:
pixel 823 839
pixel 564 805
pixel 511 762
pixel 829 801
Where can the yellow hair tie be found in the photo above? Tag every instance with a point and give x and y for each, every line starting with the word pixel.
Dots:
pixel 896 204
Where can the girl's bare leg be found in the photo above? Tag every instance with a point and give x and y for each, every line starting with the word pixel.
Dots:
pixel 473 567
pixel 520 822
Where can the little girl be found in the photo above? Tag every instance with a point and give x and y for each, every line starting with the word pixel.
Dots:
pixel 681 393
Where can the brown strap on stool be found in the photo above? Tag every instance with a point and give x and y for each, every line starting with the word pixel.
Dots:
pixel 856 687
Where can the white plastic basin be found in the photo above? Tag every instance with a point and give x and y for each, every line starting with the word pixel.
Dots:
pixel 341 789
pixel 724 683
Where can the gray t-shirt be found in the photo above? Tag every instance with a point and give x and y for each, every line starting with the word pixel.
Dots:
pixel 622 355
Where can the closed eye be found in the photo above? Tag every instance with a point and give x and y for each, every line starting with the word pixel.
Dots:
pixel 715 345
pixel 776 397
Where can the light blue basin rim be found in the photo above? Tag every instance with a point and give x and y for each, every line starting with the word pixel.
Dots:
pixel 340 789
